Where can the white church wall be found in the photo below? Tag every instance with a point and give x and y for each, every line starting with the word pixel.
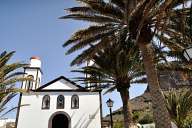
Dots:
pixel 32 116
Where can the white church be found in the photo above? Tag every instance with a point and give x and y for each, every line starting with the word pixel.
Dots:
pixel 58 104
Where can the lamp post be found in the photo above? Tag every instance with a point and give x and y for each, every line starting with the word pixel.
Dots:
pixel 110 105
pixel 188 53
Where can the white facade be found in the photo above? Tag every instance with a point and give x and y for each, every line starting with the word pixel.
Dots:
pixel 33 115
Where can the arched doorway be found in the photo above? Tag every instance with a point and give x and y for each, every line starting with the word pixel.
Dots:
pixel 59 120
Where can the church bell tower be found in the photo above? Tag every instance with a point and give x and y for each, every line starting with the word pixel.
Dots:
pixel 34 72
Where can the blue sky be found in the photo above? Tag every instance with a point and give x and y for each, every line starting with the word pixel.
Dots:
pixel 32 27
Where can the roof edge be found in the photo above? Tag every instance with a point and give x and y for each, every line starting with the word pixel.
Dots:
pixel 65 90
pixel 59 78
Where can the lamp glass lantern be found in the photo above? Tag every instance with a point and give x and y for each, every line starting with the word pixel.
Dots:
pixel 110 103
pixel 187 53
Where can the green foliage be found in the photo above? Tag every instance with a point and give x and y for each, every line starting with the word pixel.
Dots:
pixel 115 67
pixel 9 75
pixel 136 116
pixel 147 119
pixel 188 122
pixel 118 124
pixel 114 19
pixel 179 105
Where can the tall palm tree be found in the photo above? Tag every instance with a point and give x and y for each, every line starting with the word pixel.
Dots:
pixel 140 21
pixel 9 75
pixel 179 105
pixel 108 72
pixel 116 67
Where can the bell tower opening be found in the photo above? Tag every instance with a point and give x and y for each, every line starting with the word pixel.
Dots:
pixel 33 71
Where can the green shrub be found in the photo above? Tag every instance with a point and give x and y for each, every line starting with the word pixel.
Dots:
pixel 147 119
pixel 136 116
pixel 118 124
pixel 188 122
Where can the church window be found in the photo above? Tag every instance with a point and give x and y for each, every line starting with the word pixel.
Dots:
pixel 74 102
pixel 60 102
pixel 46 102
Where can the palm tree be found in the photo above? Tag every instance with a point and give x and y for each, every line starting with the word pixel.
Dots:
pixel 9 75
pixel 108 72
pixel 179 105
pixel 115 68
pixel 140 21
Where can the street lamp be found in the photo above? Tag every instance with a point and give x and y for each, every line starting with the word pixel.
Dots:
pixel 110 105
pixel 188 53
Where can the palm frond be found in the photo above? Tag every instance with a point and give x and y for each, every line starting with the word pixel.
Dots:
pixel 99 8
pixel 91 18
pixel 5 100
pixel 109 90
pixel 139 81
pixel 9 75
pixel 86 42
pixel 88 33
pixel 5 58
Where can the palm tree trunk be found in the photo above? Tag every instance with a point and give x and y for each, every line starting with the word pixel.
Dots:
pixel 160 113
pixel 127 113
